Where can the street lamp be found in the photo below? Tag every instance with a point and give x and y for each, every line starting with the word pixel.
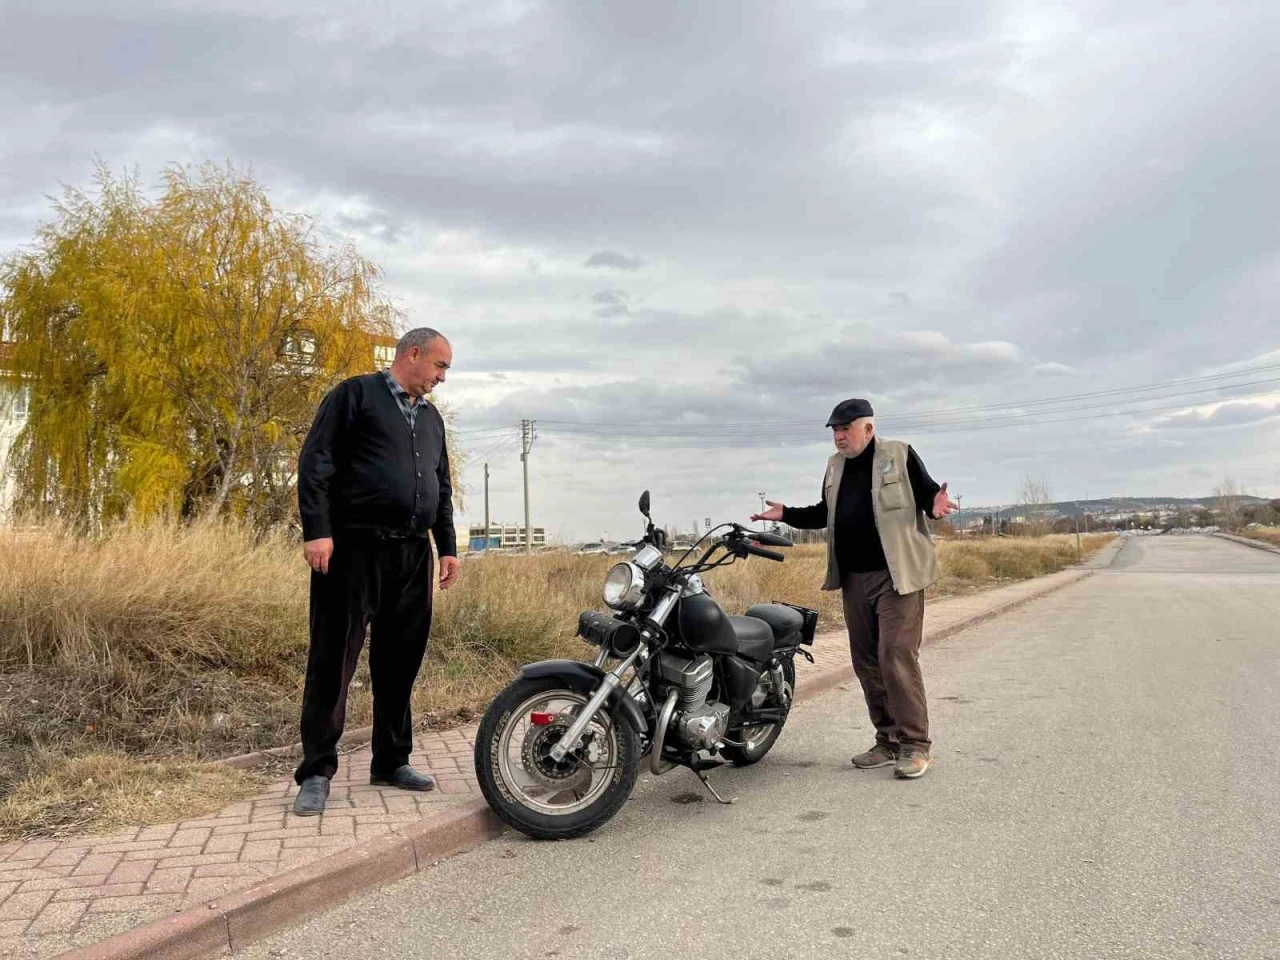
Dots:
pixel 761 496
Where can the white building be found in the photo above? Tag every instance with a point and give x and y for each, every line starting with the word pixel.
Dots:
pixel 15 398
pixel 503 536
pixel 13 414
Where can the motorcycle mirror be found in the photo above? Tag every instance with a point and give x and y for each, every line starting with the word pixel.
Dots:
pixel 644 504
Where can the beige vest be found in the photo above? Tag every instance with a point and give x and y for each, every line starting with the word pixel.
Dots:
pixel 913 563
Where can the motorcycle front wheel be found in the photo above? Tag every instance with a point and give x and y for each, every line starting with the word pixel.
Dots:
pixel 543 798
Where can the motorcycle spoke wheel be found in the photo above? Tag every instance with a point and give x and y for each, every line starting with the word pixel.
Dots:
pixel 542 784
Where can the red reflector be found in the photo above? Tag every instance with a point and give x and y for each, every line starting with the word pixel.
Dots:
pixel 542 719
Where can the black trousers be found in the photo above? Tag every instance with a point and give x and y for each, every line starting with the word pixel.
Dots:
pixel 383 585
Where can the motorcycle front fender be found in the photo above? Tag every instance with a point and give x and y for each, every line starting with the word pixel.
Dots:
pixel 585 678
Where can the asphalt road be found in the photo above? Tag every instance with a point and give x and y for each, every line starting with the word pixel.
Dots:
pixel 1106 784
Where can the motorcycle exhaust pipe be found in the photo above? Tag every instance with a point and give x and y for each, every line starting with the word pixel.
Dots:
pixel 656 763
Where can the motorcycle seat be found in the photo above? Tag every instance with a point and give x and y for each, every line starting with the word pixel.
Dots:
pixel 785 622
pixel 755 638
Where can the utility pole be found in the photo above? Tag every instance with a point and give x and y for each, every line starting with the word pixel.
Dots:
pixel 1079 554
pixel 960 512
pixel 761 496
pixel 527 434
pixel 486 506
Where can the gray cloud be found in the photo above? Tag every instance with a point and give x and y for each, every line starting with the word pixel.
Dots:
pixel 376 225
pixel 614 260
pixel 613 303
pixel 905 366
pixel 1226 415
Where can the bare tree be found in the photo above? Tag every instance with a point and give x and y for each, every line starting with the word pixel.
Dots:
pixel 1034 497
pixel 1230 503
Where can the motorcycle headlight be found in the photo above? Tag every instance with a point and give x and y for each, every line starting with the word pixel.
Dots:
pixel 624 586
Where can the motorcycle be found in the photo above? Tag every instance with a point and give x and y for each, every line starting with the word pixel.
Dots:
pixel 559 750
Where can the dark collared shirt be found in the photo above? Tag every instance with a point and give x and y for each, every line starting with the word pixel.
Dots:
pixel 409 404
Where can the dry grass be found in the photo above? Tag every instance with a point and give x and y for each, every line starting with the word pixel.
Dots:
pixel 106 791
pixel 980 563
pixel 1269 535
pixel 187 644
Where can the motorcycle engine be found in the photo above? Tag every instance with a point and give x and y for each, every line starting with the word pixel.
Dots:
pixel 698 722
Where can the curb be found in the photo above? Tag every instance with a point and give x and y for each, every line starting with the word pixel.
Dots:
pixel 351 739
pixel 221 926
pixel 1246 542
pixel 232 922
pixel 1106 557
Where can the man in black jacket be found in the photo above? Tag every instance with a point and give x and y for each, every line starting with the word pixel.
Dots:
pixel 373 481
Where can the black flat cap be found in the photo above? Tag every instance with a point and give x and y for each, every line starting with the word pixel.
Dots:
pixel 847 411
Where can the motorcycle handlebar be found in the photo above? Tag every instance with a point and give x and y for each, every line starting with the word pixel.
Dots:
pixel 767 554
pixel 770 539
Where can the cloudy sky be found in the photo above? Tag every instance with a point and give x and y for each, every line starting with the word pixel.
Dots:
pixel 1041 237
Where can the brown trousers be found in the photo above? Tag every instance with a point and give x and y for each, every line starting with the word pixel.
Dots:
pixel 884 640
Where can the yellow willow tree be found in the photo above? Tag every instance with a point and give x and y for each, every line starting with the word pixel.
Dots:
pixel 175 350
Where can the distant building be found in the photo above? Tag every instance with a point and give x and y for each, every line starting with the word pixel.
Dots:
pixel 503 536
pixel 384 352
pixel 15 398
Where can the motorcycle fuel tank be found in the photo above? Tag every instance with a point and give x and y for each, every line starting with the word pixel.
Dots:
pixel 704 626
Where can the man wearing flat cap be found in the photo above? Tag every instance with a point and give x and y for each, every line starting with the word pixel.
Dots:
pixel 875 497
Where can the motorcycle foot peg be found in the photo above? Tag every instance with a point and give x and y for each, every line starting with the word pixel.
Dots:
pixel 707 783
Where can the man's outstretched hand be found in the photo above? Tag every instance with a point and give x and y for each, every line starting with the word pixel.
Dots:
pixel 774 513
pixel 943 505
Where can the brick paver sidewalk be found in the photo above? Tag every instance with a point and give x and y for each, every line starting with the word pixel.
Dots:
pixel 60 894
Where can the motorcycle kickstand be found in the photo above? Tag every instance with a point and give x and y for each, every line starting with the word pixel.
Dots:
pixel 707 783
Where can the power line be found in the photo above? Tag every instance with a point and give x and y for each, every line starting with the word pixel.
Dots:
pixel 489 449
pixel 889 423
pixel 982 425
pixel 951 412
pixel 918 421
pixel 956 425
pixel 479 430
pixel 1069 408
pixel 923 421
pixel 1124 390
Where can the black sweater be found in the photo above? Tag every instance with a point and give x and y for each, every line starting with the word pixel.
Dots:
pixel 858 548
pixel 364 468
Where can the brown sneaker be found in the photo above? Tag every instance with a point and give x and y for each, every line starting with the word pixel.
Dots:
pixel 912 763
pixel 881 755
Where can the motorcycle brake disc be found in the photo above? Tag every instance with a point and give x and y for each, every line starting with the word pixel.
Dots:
pixel 535 755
